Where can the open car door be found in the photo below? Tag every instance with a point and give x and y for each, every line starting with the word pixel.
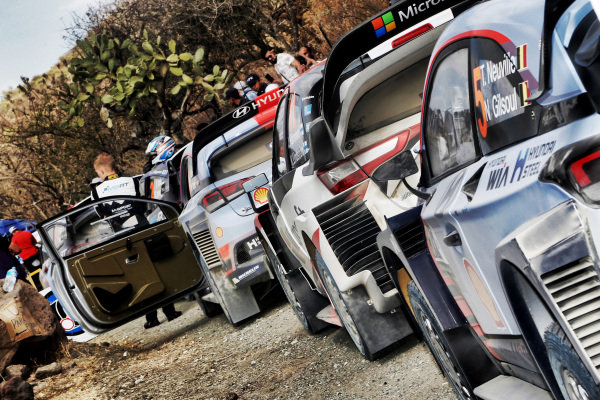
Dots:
pixel 117 258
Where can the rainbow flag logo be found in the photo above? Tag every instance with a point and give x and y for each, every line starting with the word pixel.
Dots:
pixel 384 24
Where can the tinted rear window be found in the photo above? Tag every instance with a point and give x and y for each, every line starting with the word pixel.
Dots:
pixel 253 152
pixel 390 101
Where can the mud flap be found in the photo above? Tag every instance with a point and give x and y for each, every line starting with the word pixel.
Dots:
pixel 378 331
pixel 237 303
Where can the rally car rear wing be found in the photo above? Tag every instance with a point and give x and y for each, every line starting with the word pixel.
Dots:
pixel 384 32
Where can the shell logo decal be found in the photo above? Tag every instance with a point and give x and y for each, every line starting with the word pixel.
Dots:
pixel 260 195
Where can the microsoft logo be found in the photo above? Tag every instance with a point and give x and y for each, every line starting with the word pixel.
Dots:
pixel 384 24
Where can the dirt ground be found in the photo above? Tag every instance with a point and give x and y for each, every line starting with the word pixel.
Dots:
pixel 270 357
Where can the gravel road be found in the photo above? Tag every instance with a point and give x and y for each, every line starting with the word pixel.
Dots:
pixel 270 357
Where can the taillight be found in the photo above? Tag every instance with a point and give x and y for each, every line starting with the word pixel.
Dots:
pixel 213 201
pixel 585 173
pixel 342 176
pixel 223 194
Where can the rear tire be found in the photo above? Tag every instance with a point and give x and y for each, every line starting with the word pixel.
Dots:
pixel 573 378
pixel 341 307
pixel 438 344
pixel 305 302
pixel 284 280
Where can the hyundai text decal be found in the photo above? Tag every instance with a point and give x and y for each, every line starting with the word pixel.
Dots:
pixel 528 163
pixel 266 100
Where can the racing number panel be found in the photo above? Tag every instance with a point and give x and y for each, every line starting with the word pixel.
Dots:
pixel 132 273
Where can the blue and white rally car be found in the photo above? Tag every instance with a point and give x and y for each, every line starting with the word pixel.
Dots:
pixel 500 263
pixel 218 215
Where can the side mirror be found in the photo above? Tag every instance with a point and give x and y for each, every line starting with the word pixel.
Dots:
pixel 398 167
pixel 322 148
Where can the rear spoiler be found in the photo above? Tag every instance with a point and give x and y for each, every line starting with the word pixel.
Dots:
pixel 243 113
pixel 400 22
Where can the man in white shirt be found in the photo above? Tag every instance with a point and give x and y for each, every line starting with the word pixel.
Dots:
pixel 285 64
pixel 112 184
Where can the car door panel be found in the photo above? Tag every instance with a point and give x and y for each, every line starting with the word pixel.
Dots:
pixel 110 280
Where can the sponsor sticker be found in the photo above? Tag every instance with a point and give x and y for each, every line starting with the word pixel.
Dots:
pixel 240 112
pixel 245 275
pixel 528 163
pixel 260 195
pixel 384 24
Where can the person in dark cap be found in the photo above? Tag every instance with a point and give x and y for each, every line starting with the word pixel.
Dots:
pixel 232 95
pixel 253 81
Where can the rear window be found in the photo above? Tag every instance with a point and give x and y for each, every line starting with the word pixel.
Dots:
pixel 390 101
pixel 240 158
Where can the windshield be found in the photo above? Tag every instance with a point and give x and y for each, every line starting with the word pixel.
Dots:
pixel 101 223
pixel 236 159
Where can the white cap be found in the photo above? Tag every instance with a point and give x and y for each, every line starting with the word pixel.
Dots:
pixel 12 229
pixel 240 85
pixel 271 87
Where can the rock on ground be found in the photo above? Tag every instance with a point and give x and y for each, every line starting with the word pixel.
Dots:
pixel 16 389
pixel 29 330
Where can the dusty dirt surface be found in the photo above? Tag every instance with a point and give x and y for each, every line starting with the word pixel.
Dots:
pixel 270 357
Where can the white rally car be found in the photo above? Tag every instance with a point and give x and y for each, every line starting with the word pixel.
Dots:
pixel 337 133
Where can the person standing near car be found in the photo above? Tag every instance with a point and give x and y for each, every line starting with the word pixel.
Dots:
pixel 27 244
pixel 112 184
pixel 306 52
pixel 7 260
pixel 285 64
pixel 253 81
pixel 159 149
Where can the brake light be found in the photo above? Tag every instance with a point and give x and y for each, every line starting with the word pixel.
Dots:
pixel 213 201
pixel 586 174
pixel 223 194
pixel 411 35
pixel 342 176
pixel 372 157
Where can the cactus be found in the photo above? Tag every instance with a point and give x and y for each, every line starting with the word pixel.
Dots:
pixel 118 74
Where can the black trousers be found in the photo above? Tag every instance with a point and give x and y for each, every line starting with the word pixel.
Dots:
pixel 169 311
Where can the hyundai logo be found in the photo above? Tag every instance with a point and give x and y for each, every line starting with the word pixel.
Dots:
pixel 240 112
